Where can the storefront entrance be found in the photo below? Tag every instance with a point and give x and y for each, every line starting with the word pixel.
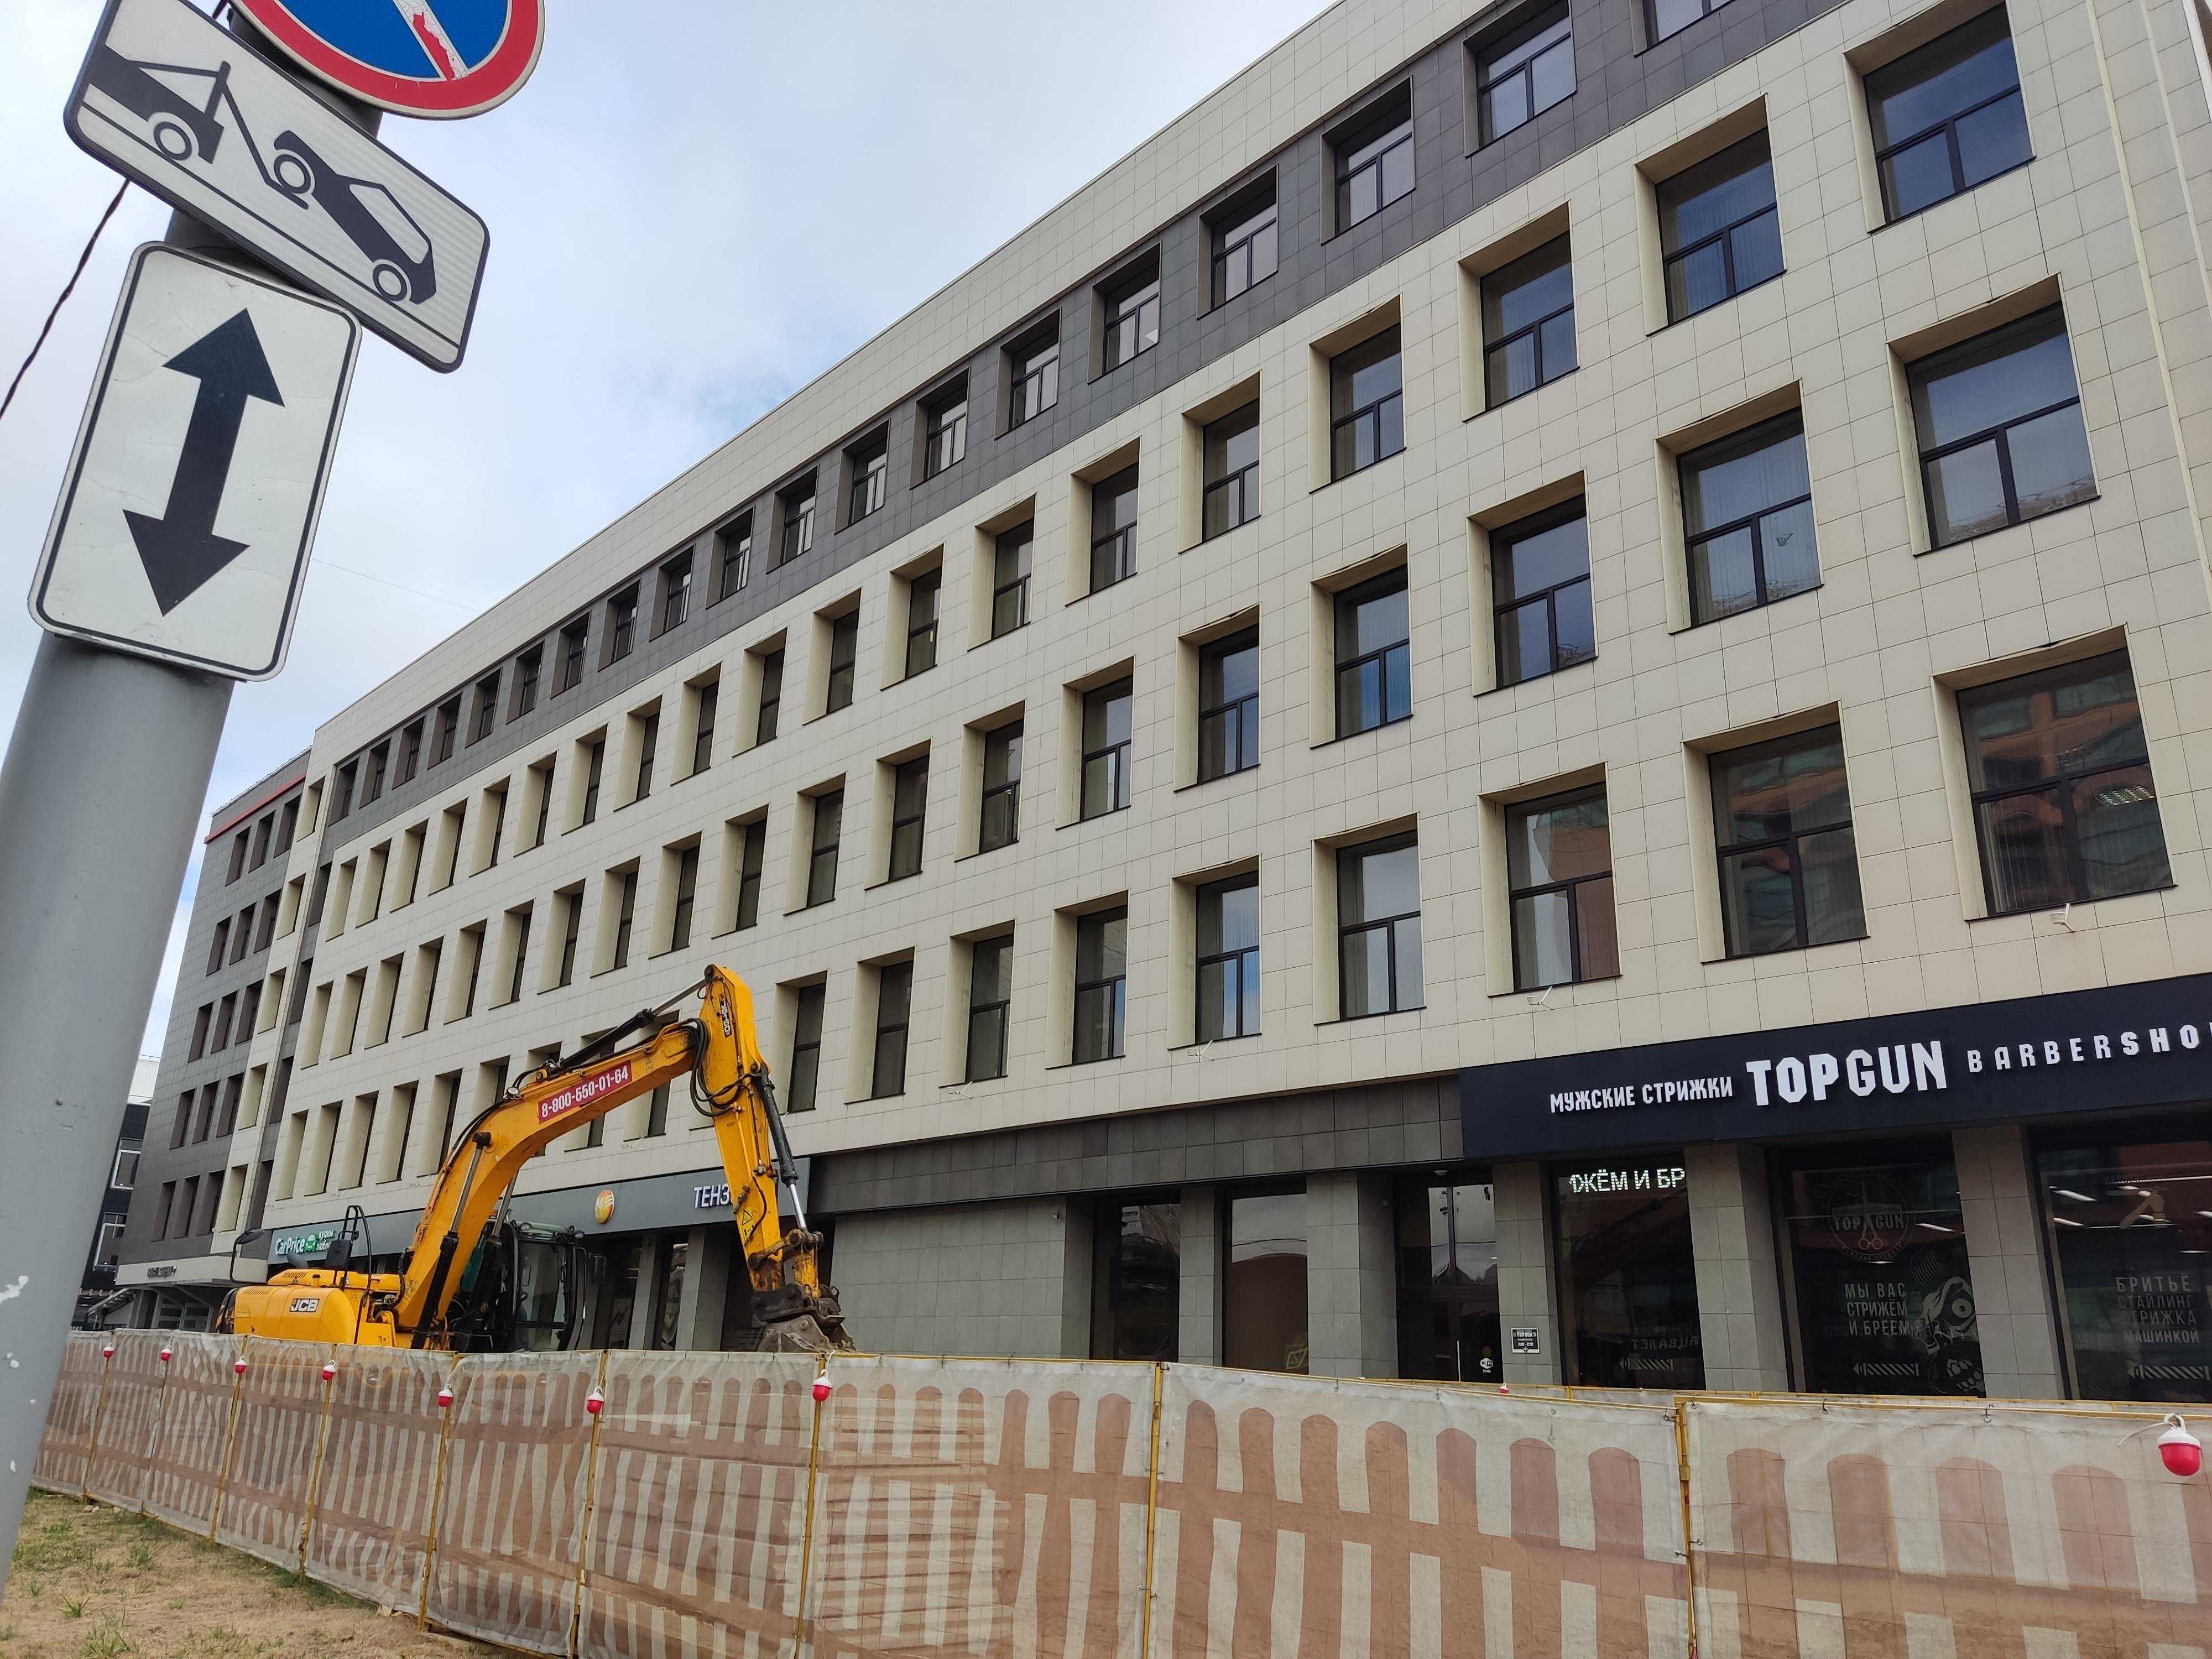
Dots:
pixel 1877 1262
pixel 1628 1275
pixel 1448 1329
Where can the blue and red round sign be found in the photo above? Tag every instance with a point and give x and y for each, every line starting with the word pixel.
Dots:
pixel 439 58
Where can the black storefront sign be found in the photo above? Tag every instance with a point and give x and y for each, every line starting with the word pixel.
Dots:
pixel 1992 1063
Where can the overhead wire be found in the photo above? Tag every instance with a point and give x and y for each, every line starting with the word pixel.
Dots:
pixel 62 299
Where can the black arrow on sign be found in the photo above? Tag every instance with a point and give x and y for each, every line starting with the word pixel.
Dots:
pixel 180 550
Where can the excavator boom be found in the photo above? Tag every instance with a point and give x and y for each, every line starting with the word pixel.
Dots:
pixel 718 1050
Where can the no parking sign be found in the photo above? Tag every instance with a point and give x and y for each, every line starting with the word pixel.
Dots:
pixel 438 58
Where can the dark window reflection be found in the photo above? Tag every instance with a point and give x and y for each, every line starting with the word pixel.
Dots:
pixel 2131 1231
pixel 1628 1278
pixel 1137 1279
pixel 1264 1292
pixel 1448 1279
pixel 1885 1297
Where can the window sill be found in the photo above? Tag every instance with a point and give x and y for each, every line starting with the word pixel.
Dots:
pixel 986 852
pixel 1328 183
pixel 1908 218
pixel 1222 777
pixel 1537 679
pixel 1787 949
pixel 1075 1065
pixel 1224 535
pixel 1361 1019
pixel 2055 911
pixel 972 1082
pixel 2090 499
pixel 823 904
pixel 1563 985
pixel 993 638
pixel 1196 1045
pixel 1356 472
pixel 1676 322
pixel 890 881
pixel 1349 736
pixel 1752 610
pixel 1092 593
pixel 1522 397
pixel 1096 817
pixel 1116 369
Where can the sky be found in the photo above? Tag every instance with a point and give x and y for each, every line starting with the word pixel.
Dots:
pixel 696 206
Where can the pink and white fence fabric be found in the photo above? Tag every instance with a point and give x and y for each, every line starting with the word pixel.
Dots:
pixel 941 1509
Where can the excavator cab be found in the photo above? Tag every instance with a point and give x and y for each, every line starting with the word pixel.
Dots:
pixel 527 1290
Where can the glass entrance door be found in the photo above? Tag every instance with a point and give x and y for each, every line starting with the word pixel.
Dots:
pixel 1447 1279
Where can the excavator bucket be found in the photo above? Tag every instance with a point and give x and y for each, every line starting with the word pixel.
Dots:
pixel 804 1334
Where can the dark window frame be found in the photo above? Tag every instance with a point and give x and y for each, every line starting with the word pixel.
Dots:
pixel 767 718
pixel 844 659
pixel 889 973
pixel 1023 552
pixel 449 730
pixel 1488 78
pixel 806 1019
pixel 945 428
pixel 1116 755
pixel 1394 580
pixel 1949 126
pixel 1114 986
pixel 1724 236
pixel 868 476
pixel 675 591
pixel 576 645
pixel 1009 787
pixel 1033 362
pixel 1502 540
pixel 621 624
pixel 1651 20
pixel 795 513
pixel 752 857
pixel 1388 926
pixel 1241 712
pixel 486 710
pixel 922 636
pixel 2000 433
pixel 1124 301
pixel 821 890
pixel 1494 350
pixel 1234 231
pixel 904 820
pixel 1243 481
pixel 1370 415
pixel 733 556
pixel 1760 434
pixel 1248 1018
pixel 1570 886
pixel 529 669
pixel 1001 1006
pixel 1114 551
pixel 1789 842
pixel 687 897
pixel 1365 145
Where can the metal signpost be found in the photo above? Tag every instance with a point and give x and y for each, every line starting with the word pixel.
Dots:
pixel 179 544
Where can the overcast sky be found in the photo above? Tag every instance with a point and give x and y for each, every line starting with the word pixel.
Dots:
pixel 696 206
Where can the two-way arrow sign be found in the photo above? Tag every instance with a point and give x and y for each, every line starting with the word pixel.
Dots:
pixel 189 504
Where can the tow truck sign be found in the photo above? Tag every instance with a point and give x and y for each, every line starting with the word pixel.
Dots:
pixel 183 107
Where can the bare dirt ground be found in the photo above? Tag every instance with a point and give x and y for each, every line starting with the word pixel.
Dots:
pixel 100 1585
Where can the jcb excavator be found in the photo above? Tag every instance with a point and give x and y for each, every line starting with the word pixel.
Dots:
pixel 471 1277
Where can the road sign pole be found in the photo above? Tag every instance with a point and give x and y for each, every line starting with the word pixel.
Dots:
pixel 100 797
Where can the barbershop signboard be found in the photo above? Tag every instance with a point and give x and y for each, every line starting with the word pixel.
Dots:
pixel 2133 1045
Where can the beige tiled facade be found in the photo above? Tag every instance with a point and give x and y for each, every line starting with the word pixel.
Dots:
pixel 2109 219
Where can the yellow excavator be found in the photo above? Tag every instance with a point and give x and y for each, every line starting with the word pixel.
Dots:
pixel 473 1279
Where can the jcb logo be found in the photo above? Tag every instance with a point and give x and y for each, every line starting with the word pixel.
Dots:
pixel 305 1304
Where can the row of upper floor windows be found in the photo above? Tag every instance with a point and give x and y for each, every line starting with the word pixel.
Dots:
pixel 269 836
pixel 1943 116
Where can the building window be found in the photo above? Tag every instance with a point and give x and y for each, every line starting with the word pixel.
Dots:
pixel 1374 657
pixel 805 1048
pixel 625 916
pixel 572 925
pixel 1448 1323
pixel 822 858
pixel 1106 748
pixel 1229 706
pixel 687 894
pixel 372 780
pixel 909 804
pixel 771 697
pixel 527 669
pixel 1002 822
pixel 341 791
pixel 798 502
pixel 573 639
pixel 844 646
pixel 921 597
pixel 894 1000
pixel 1375 160
pixel 125 1176
pixel 287 822
pixel 521 955
pixel 1114 529
pixel 1539 581
pixel 2065 810
pixel 703 738
pixel 1528 322
pixel 1672 16
pixel 752 853
pixel 1718 226
pixel 1229 959
pixel 649 743
pixel 1263 1292
pixel 1244 243
pixel 2129 1233
pixel 869 467
pixel 1747 516
pixel 990 994
pixel 1521 74
pixel 1033 375
pixel 595 764
pixel 1233 470
pixel 1788 863
pixel 222 946
pixel 238 846
pixel 1628 1276
pixel 1378 924
pixel 1367 414
pixel 944 429
pixel 1136 1281
pixel 733 556
pixel 449 726
pixel 2002 438
pixel 411 761
pixel 1131 305
pixel 675 591
pixel 487 709
pixel 621 623
pixel 1102 992
pixel 1948 116
pixel 1010 579
pixel 1559 867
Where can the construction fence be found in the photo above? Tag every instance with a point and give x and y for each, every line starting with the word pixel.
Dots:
pixel 1079 1510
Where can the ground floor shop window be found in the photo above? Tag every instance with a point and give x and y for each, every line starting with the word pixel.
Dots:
pixel 668 1293
pixel 1263 1297
pixel 1885 1299
pixel 1448 1277
pixel 1628 1277
pixel 1136 1280
pixel 2131 1225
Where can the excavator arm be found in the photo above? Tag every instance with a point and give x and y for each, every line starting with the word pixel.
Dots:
pixel 718 1050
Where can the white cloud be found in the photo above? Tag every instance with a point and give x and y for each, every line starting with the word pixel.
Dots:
pixel 695 207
